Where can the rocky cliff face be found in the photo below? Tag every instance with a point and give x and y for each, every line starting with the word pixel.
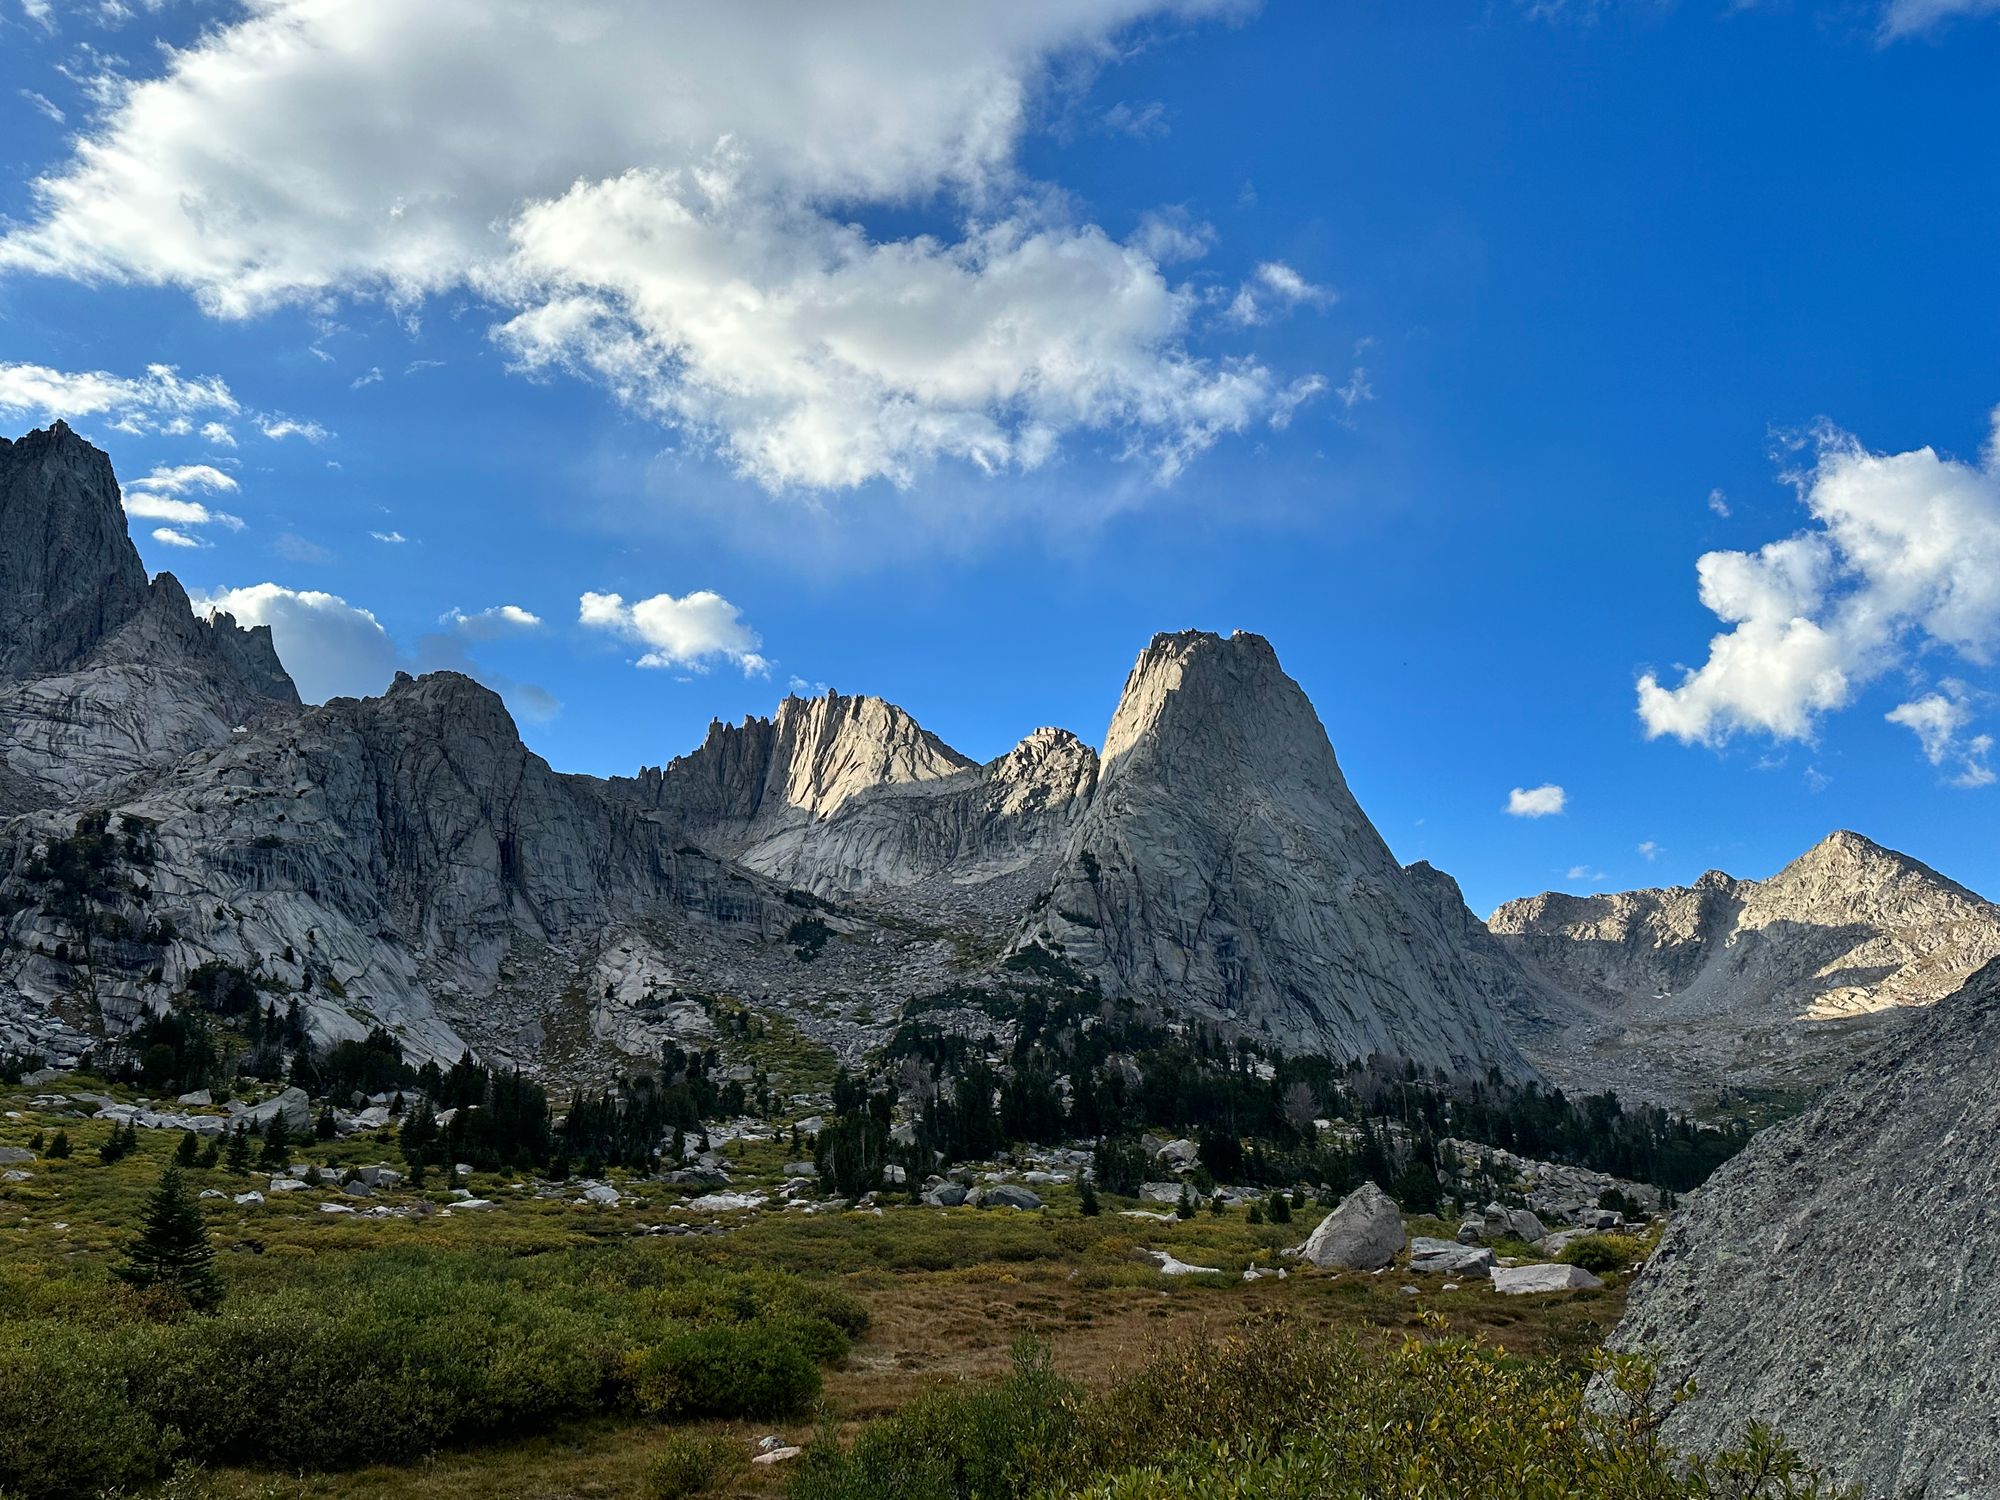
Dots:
pixel 1840 1278
pixel 851 796
pixel 103 675
pixel 1780 982
pixel 1223 866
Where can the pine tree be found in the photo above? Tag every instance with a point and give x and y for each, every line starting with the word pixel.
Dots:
pixel 1184 1209
pixel 172 1251
pixel 237 1158
pixel 277 1143
pixel 326 1127
pixel 59 1145
pixel 1087 1203
pixel 210 1154
pixel 36 1143
pixel 1279 1209
pixel 189 1150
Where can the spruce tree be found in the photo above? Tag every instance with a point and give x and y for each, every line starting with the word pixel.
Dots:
pixel 277 1143
pixel 172 1251
pixel 59 1145
pixel 1184 1209
pixel 326 1127
pixel 237 1158
pixel 1279 1209
pixel 189 1150
pixel 1087 1203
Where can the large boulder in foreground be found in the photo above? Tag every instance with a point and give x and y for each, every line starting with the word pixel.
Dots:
pixel 1364 1234
pixel 1840 1279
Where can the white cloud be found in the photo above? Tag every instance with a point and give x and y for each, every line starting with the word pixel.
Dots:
pixel 1901 18
pixel 1649 851
pixel 1585 873
pixel 1274 286
pixel 179 479
pixel 1142 120
pixel 1940 720
pixel 331 648
pixel 131 404
pixel 44 105
pixel 1903 559
pixel 373 377
pixel 1536 802
pixel 491 624
pixel 219 434
pixel 1719 503
pixel 687 632
pixel 1357 389
pixel 161 496
pixel 1167 235
pixel 278 428
pixel 682 228
pixel 393 538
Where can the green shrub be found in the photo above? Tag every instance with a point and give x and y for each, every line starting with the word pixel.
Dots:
pixel 726 1370
pixel 68 1426
pixel 1601 1253
pixel 690 1464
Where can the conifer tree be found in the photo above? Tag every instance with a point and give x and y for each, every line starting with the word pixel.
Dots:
pixel 189 1150
pixel 172 1251
pixel 1087 1203
pixel 277 1143
pixel 237 1158
pixel 1184 1209
pixel 59 1146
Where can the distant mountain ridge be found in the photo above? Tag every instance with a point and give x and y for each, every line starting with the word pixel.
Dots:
pixel 1731 982
pixel 404 860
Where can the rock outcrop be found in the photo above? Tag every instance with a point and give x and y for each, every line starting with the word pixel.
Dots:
pixel 1225 868
pixel 1841 1278
pixel 1682 991
pixel 843 796
pixel 104 675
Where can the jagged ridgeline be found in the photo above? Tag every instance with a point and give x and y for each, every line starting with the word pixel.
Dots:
pixel 170 810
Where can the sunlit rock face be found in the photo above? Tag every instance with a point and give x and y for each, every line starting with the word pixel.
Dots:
pixel 1224 866
pixel 1841 1278
pixel 1782 982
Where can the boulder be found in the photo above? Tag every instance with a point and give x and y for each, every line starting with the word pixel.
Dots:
pixel 1365 1233
pixel 1517 1281
pixel 601 1193
pixel 1553 1245
pixel 1171 1266
pixel 200 1097
pixel 1431 1257
pixel 249 1200
pixel 1007 1195
pixel 292 1104
pixel 945 1195
pixel 801 1169
pixel 1181 1153
pixel 12 1155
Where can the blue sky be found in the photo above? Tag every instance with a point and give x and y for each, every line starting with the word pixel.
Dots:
pixel 948 357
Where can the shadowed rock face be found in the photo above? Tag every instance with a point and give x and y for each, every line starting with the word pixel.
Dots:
pixel 1841 1278
pixel 1224 866
pixel 1679 991
pixel 103 675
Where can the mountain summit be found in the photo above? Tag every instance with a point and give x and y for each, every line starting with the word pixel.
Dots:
pixel 1225 866
pixel 103 675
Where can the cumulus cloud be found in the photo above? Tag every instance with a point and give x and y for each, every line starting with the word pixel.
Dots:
pixel 690 631
pixel 161 496
pixel 1940 720
pixel 332 648
pixel 1536 802
pixel 685 226
pixel 491 624
pixel 336 649
pixel 145 403
pixel 219 434
pixel 1902 562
